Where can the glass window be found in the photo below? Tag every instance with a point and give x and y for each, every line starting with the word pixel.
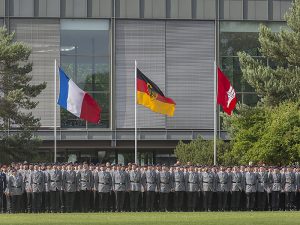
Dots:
pixel 205 9
pixel 155 9
pixel 85 57
pixel 100 8
pixel 258 9
pixel 49 8
pixel 22 8
pixel 75 8
pixel 232 9
pixel 129 8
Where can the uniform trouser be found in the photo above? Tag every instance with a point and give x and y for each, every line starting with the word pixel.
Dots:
pixel 150 198
pixel 62 200
pixel 250 196
pixel 191 200
pixel 289 200
pixel 1 201
pixel 54 201
pixel 163 201
pixel 8 203
pixel 269 200
pixel 16 203
pixel 85 200
pixel 47 201
pixel 243 201
pixel 36 201
pixel 235 200
pixel 275 200
pixel 261 200
pixel 69 201
pixel 29 201
pixel 207 200
pixel 222 200
pixel 178 200
pixel 112 200
pixel 120 198
pixel 134 200
pixel 94 201
pixel 103 201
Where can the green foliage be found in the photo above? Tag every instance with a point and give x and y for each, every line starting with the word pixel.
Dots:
pixel 281 82
pixel 16 100
pixel 200 151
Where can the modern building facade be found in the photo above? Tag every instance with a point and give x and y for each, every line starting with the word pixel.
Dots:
pixel 175 43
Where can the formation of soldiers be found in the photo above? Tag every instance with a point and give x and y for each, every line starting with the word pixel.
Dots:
pixel 35 188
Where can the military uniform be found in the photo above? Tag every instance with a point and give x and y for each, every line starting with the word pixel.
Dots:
pixel 276 187
pixel 15 188
pixel 250 189
pixel 135 178
pixel 37 183
pixel 222 188
pixel 179 185
pixel 236 189
pixel 3 184
pixel 70 184
pixel 85 184
pixel 150 179
pixel 28 190
pixel 164 182
pixel 192 182
pixel 208 180
pixel 55 186
pixel 103 184
pixel 262 188
pixel 289 188
pixel 46 193
pixel 120 181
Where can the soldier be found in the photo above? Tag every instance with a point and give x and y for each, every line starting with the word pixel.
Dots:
pixel 236 188
pixel 150 179
pixel 262 188
pixel 250 187
pixel 37 184
pixel 136 181
pixel 243 194
pixel 15 189
pixel 28 189
pixel 3 184
pixel 103 184
pixel 85 183
pixel 70 184
pixel 208 180
pixel 222 188
pixel 276 187
pixel 47 188
pixel 289 188
pixel 164 182
pixel 120 183
pixel 192 187
pixel 179 185
pixel 55 186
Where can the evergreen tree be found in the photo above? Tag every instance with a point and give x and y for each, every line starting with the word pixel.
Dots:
pixel 17 123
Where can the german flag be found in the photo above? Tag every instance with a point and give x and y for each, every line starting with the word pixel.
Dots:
pixel 150 96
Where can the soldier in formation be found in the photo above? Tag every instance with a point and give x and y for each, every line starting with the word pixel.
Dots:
pixel 85 187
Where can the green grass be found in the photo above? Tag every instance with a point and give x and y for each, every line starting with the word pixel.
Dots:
pixel 199 218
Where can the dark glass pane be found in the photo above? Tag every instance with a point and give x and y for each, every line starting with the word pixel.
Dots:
pixel 250 99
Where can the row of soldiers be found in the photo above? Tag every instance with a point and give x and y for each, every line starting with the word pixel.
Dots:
pixel 85 188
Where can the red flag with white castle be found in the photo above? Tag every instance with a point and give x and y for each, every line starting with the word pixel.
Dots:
pixel 226 94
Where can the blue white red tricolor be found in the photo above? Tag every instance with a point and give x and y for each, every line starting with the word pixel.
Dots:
pixel 77 101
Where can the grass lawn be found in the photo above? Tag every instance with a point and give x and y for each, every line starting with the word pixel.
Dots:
pixel 199 218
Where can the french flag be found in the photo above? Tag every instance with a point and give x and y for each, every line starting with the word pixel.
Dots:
pixel 77 101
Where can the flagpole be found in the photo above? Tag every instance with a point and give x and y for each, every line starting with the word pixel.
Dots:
pixel 215 113
pixel 135 115
pixel 55 75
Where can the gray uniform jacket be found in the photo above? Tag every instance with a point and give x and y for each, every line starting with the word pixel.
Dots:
pixel 289 182
pixel 222 182
pixel 179 183
pixel 150 180
pixel 250 182
pixel 103 182
pixel 3 182
pixel 37 181
pixel 164 182
pixel 136 180
pixel 27 180
pixel 192 180
pixel 85 180
pixel 55 180
pixel 236 181
pixel 70 181
pixel 15 185
pixel 120 181
pixel 208 180
pixel 275 181
pixel 263 182
pixel 47 180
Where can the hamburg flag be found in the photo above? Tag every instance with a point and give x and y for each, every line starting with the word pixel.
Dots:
pixel 77 101
pixel 150 96
pixel 226 94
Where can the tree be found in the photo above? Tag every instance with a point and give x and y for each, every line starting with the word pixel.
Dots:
pixel 17 123
pixel 200 151
pixel 282 81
